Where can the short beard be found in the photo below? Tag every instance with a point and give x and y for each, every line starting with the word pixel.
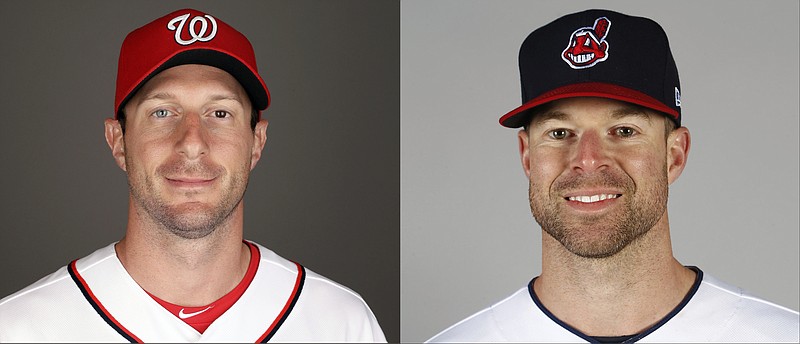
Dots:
pixel 604 235
pixel 188 221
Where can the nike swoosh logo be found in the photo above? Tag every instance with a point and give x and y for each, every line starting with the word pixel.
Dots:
pixel 183 315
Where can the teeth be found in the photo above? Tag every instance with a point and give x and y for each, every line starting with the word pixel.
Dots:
pixel 582 58
pixel 592 199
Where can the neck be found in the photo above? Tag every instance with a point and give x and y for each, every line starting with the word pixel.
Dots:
pixel 187 272
pixel 619 295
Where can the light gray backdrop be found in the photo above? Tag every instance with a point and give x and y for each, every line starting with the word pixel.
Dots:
pixel 325 193
pixel 468 239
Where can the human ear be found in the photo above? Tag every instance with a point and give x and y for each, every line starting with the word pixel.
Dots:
pixel 524 151
pixel 114 138
pixel 259 139
pixel 678 144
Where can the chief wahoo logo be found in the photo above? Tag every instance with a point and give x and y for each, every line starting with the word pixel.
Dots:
pixel 587 45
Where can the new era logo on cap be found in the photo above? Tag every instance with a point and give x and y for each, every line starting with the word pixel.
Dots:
pixel 638 70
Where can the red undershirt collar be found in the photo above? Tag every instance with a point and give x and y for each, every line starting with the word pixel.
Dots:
pixel 201 317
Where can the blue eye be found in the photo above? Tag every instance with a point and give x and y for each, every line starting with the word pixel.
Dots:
pixel 161 113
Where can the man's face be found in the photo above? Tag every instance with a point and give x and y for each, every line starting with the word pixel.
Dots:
pixel 188 148
pixel 598 173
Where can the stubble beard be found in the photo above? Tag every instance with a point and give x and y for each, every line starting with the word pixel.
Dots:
pixel 606 234
pixel 187 221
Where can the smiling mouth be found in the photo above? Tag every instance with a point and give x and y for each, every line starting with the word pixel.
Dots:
pixel 190 182
pixel 581 58
pixel 592 198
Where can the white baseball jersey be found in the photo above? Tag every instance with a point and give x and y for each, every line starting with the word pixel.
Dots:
pixel 94 299
pixel 712 311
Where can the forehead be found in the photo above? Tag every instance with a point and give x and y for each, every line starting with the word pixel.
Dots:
pixel 591 109
pixel 195 80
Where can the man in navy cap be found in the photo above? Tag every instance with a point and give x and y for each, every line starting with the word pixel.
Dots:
pixel 601 141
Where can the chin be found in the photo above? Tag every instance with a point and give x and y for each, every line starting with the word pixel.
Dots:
pixel 191 226
pixel 192 221
pixel 595 250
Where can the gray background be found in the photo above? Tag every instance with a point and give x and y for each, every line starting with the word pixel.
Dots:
pixel 468 239
pixel 325 193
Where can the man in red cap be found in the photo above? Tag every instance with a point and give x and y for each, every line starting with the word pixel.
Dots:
pixel 601 141
pixel 187 131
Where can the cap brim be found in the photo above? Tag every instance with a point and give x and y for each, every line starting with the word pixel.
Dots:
pixel 521 116
pixel 250 81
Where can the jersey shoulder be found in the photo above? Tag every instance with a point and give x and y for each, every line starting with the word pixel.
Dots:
pixel 479 327
pixel 332 295
pixel 745 317
pixel 51 308
pixel 51 289
pixel 514 319
pixel 324 308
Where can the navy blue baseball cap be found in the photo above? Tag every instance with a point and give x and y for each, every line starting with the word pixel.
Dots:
pixel 597 53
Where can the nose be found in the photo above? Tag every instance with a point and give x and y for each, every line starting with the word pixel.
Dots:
pixel 589 153
pixel 192 137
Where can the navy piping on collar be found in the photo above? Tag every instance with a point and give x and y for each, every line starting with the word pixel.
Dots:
pixel 128 335
pixel 98 307
pixel 698 279
pixel 298 288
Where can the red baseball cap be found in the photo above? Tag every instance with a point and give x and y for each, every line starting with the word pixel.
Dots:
pixel 187 36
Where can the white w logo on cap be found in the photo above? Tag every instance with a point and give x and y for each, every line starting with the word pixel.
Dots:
pixel 196 36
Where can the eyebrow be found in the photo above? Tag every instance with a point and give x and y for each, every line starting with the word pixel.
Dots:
pixel 632 111
pixel 225 97
pixel 167 96
pixel 628 111
pixel 157 96
pixel 549 116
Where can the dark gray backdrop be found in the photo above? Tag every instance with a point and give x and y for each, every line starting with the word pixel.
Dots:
pixel 325 193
